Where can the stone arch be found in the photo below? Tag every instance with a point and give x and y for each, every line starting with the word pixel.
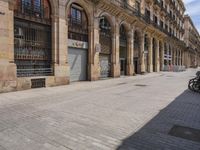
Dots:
pixel 79 30
pixel 126 26
pixel 83 4
pixel 109 19
pixel 106 34
pixel 54 7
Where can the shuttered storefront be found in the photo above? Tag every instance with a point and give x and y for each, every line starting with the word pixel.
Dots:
pixel 78 64
pixel 106 48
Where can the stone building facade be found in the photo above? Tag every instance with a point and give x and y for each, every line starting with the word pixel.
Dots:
pixel 55 42
pixel 192 41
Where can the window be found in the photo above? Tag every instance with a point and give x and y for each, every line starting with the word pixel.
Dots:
pixel 161 23
pixel 37 5
pixel 32 40
pixel 76 15
pixel 147 15
pixel 33 8
pixel 137 6
pixel 37 8
pixel 155 19
pixel 26 3
pixel 166 27
pixel 78 24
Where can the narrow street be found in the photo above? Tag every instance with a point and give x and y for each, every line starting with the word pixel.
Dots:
pixel 128 113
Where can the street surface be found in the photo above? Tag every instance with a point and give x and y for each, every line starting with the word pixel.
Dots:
pixel 128 113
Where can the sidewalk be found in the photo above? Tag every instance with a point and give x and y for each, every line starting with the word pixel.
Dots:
pixel 128 113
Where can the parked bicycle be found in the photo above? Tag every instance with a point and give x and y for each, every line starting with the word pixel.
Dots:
pixel 194 84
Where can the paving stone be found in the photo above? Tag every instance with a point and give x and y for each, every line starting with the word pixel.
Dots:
pixel 103 115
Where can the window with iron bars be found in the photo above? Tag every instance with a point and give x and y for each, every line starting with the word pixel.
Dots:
pixel 32 40
pixel 35 9
pixel 78 26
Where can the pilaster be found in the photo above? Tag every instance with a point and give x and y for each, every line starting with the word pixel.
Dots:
pixel 173 57
pixel 7 66
pixel 150 55
pixel 60 47
pixel 94 65
pixel 162 56
pixel 115 52
pixel 130 56
pixel 157 56
pixel 142 61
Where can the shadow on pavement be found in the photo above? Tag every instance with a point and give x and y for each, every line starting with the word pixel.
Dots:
pixel 161 133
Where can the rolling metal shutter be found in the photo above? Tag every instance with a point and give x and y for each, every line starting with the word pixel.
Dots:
pixel 105 65
pixel 78 64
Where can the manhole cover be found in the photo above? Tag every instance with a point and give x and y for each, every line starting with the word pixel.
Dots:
pixel 185 133
pixel 141 85
pixel 169 76
pixel 122 83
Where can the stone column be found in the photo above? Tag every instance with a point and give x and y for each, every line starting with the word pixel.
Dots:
pixel 168 55
pixel 60 47
pixel 157 56
pixel 115 64
pixel 173 57
pixel 130 53
pixel 93 63
pixel 162 56
pixel 177 60
pixel 8 77
pixel 150 54
pixel 182 58
pixel 142 62
pixel 186 59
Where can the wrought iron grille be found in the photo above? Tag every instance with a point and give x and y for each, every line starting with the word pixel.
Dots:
pixel 106 42
pixel 105 36
pixel 78 24
pixel 123 36
pixel 32 49
pixel 38 83
pixel 136 41
pixel 77 30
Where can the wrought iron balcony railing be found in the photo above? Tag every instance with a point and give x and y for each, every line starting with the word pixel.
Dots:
pixel 136 12
pixel 38 13
pixel 123 4
pixel 30 72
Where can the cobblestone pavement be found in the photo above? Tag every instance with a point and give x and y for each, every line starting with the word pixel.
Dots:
pixel 128 113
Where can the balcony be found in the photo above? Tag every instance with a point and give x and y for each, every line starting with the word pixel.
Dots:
pixel 136 12
pixel 126 6
pixel 37 13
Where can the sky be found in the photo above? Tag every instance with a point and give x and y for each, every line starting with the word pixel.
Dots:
pixel 193 9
